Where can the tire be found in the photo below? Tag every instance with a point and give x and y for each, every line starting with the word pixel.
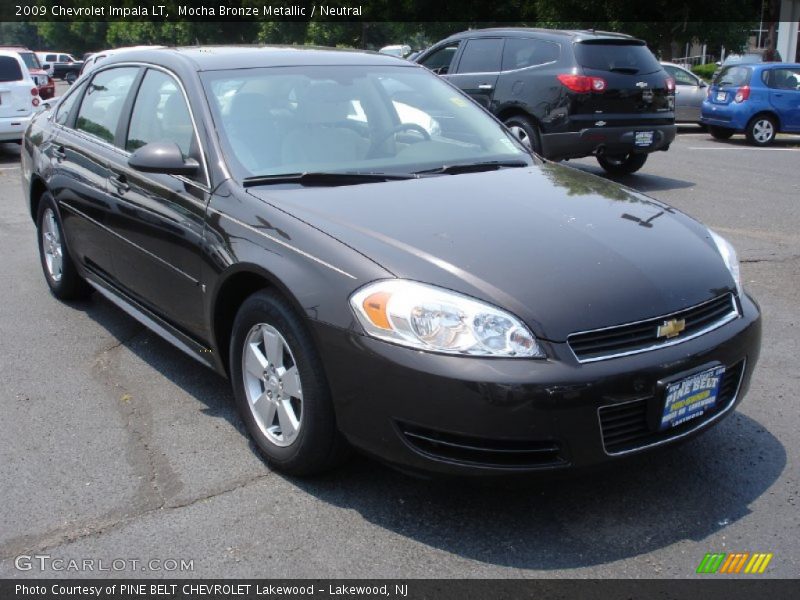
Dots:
pixel 622 164
pixel 761 130
pixel 71 77
pixel 720 133
pixel 526 131
pixel 287 407
pixel 59 270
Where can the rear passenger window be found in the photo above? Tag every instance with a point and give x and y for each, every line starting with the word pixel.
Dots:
pixel 782 79
pixel 10 69
pixel 50 58
pixel 481 56
pixel 528 52
pixel 160 114
pixel 65 106
pixel 102 104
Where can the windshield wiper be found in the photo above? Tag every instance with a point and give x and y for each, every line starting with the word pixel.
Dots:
pixel 323 178
pixel 473 167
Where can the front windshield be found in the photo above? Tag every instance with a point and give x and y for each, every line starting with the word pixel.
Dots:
pixel 30 60
pixel 354 119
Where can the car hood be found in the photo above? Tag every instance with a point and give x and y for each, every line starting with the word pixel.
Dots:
pixel 563 250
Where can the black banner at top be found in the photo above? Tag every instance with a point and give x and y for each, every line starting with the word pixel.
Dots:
pixel 560 12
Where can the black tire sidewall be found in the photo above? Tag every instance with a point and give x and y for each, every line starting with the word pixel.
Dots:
pixel 632 163
pixel 751 137
pixel 530 128
pixel 71 285
pixel 720 133
pixel 314 447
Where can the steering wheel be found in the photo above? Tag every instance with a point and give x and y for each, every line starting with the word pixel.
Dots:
pixel 397 129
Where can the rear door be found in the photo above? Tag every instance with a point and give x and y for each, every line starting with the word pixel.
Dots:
pixel 478 68
pixel 636 85
pixel 15 94
pixel 784 95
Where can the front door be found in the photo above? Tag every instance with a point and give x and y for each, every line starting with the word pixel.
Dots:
pixel 479 68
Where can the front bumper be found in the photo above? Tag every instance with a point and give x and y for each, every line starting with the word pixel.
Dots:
pixel 611 140
pixel 13 128
pixel 475 416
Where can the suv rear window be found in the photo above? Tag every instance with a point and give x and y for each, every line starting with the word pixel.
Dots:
pixel 10 69
pixel 623 56
pixel 734 75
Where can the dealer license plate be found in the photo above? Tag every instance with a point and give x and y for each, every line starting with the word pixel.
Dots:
pixel 643 138
pixel 721 96
pixel 691 397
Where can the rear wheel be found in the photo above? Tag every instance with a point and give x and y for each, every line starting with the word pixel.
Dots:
pixel 622 164
pixel 720 133
pixel 71 77
pixel 280 387
pixel 59 271
pixel 525 131
pixel 761 130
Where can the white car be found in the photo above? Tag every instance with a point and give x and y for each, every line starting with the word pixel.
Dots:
pixel 400 50
pixel 19 97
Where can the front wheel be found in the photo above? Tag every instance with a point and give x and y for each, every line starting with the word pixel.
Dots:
pixel 622 164
pixel 71 77
pixel 720 133
pixel 761 130
pixel 280 387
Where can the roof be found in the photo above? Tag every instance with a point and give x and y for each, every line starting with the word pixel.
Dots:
pixel 210 58
pixel 576 34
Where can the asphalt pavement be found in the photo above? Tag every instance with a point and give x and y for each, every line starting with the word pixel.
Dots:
pixel 114 445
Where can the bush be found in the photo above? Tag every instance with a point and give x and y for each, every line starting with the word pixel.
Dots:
pixel 704 71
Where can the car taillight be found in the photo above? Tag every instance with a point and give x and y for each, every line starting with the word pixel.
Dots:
pixel 743 94
pixel 582 83
pixel 34 91
pixel 670 84
pixel 35 101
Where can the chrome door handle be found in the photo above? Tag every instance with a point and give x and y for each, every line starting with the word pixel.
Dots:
pixel 486 86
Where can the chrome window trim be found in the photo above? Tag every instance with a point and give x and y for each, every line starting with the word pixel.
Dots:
pixel 700 422
pixel 206 187
pixel 724 320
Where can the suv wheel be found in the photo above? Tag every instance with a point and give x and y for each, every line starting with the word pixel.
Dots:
pixel 525 131
pixel 761 130
pixel 59 271
pixel 622 164
pixel 280 387
pixel 720 133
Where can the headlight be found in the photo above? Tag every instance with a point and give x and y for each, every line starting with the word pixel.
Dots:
pixel 729 257
pixel 430 318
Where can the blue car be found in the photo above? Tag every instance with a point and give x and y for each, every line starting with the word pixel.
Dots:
pixel 759 100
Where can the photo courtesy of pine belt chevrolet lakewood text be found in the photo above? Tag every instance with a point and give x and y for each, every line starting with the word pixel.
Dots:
pixel 376 262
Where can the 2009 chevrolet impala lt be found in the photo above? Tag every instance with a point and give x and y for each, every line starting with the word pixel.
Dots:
pixel 373 260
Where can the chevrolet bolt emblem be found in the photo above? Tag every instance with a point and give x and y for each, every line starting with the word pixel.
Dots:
pixel 671 328
pixel 641 84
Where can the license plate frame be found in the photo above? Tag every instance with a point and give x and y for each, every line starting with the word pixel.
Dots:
pixel 642 139
pixel 689 396
pixel 722 96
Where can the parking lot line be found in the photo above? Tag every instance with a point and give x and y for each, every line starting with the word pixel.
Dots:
pixel 744 148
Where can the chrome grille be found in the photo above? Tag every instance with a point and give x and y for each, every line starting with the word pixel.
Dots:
pixel 641 336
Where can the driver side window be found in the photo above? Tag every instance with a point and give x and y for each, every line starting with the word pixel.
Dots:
pixel 441 60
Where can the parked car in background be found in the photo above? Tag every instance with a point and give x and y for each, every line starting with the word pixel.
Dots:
pixel 747 58
pixel 565 94
pixel 19 96
pixel 65 66
pixel 44 83
pixel 401 50
pixel 759 100
pixel 438 297
pixel 690 91
pixel 91 61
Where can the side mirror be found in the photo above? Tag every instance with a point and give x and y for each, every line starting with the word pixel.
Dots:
pixel 46 66
pixel 162 157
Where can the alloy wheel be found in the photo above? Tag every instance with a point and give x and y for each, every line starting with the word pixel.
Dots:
pixel 272 384
pixel 763 131
pixel 51 244
pixel 522 135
